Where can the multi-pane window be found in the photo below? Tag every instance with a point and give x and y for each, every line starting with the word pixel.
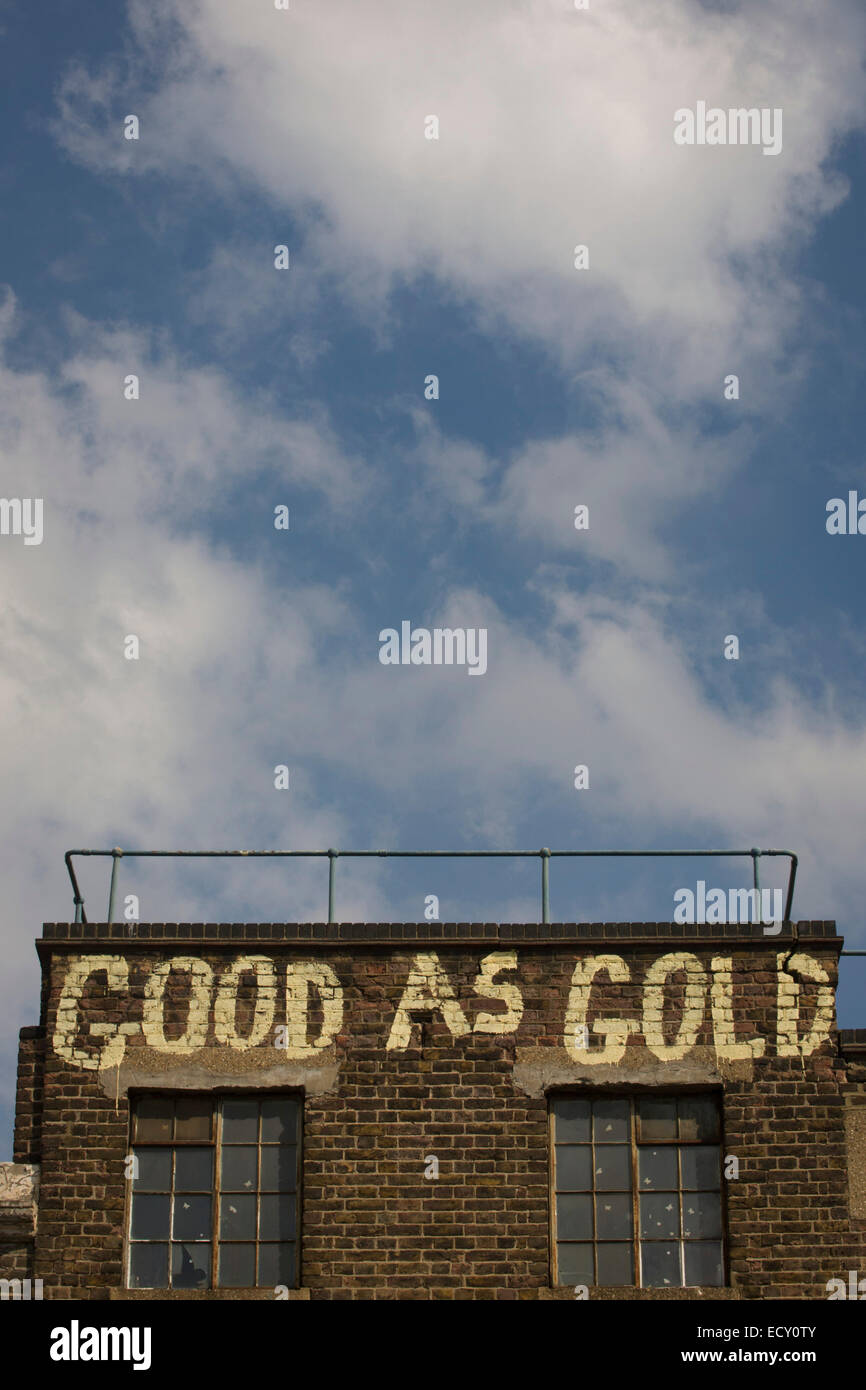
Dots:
pixel 214 1192
pixel 638 1191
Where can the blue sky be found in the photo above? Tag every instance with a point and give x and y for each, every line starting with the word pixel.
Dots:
pixel 306 387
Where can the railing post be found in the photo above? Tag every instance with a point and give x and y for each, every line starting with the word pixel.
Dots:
pixel 545 885
pixel 333 855
pixel 115 855
pixel 756 854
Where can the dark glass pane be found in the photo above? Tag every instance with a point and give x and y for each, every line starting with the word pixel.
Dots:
pixel 702 1214
pixel 659 1215
pixel 572 1123
pixel 279 1122
pixel 703 1264
pixel 657 1169
pixel 237 1217
pixel 240 1121
pixel 237 1266
pixel 699 1118
pixel 192 1117
pixel 193 1170
pixel 660 1264
pixel 573 1168
pixel 153 1119
pixel 154 1170
pixel 190 1266
pixel 615 1264
pixel 239 1169
pixel 573 1217
pixel 612 1167
pixel 150 1217
pixel 192 1217
pixel 611 1119
pixel 276 1265
pixel 148 1266
pixel 279 1168
pixel 700 1168
pixel 277 1218
pixel 574 1264
pixel 657 1119
pixel 613 1216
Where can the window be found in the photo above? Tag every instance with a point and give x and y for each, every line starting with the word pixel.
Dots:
pixel 214 1192
pixel 638 1191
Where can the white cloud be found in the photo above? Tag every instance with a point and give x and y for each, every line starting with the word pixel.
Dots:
pixel 635 472
pixel 556 127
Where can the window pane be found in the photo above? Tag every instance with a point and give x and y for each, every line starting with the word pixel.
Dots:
pixel 615 1264
pixel 660 1215
pixel 699 1118
pixel 190 1266
pixel 277 1218
pixel 192 1217
pixel 150 1217
pixel 611 1118
pixel 279 1168
pixel 276 1265
pixel 573 1119
pixel 702 1214
pixel 193 1117
pixel 657 1169
pixel 237 1266
pixel 700 1168
pixel 279 1123
pixel 612 1167
pixel 239 1169
pixel 660 1264
pixel 148 1267
pixel 575 1265
pixel 193 1170
pixel 657 1119
pixel 238 1217
pixel 703 1264
pixel 613 1217
pixel 153 1119
pixel 154 1170
pixel 574 1168
pixel 240 1121
pixel 574 1218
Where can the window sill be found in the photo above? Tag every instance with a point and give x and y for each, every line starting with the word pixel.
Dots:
pixel 204 1295
pixel 624 1291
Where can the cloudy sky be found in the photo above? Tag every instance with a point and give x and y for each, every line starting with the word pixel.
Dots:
pixel 304 387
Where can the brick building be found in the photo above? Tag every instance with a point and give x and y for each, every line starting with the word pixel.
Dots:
pixel 456 1111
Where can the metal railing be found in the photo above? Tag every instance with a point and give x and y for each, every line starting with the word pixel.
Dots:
pixel 332 855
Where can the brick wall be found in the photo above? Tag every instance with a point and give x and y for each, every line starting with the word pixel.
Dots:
pixel 444 1040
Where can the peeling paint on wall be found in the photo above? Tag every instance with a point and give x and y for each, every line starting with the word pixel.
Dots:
pixel 675 992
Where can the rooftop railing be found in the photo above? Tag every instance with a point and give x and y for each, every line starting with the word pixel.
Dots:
pixel 332 855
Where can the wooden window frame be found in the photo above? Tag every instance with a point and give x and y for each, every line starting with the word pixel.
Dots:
pixel 633 1096
pixel 216 1144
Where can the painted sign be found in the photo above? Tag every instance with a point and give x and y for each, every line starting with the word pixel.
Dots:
pixel 289 983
